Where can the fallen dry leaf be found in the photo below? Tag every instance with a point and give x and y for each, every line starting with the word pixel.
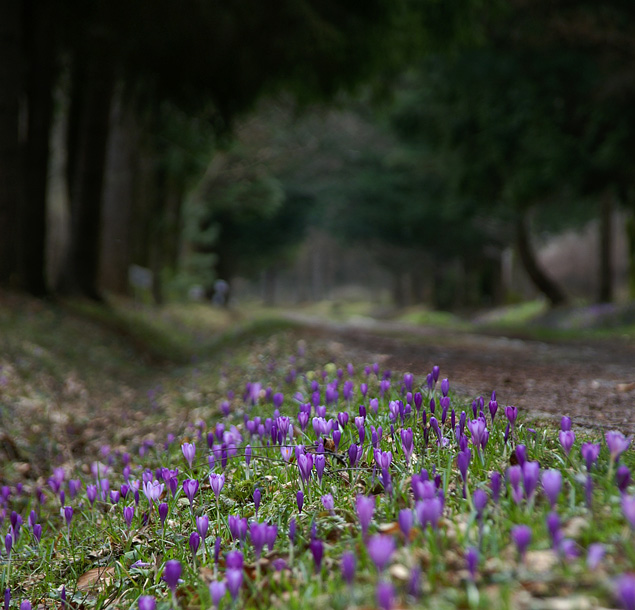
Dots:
pixel 96 578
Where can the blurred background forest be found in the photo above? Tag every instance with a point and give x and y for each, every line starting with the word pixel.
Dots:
pixel 459 154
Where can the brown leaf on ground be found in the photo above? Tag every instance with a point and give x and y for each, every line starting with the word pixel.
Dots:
pixel 94 579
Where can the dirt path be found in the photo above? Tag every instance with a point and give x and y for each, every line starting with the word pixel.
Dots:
pixel 591 381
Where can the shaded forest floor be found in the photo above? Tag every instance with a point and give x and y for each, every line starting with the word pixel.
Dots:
pixel 78 381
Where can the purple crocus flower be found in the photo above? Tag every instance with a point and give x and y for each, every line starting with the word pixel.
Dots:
pixel 551 485
pixel 26 605
pixel 328 502
pixel 405 519
pixel 195 542
pixel 216 481
pixel 247 455
pixel 300 500
pixel 237 527
pixel 568 549
pixel 383 459
pixel 565 423
pixel 37 532
pixel 234 560
pixel 493 407
pixel 385 594
pixel 429 511
pixel 163 512
pixel 287 452
pixel 292 530
pixel 623 478
pixel 511 413
pixel 153 490
pixel 463 461
pixel 202 525
pixel 7 598
pixel 445 386
pixel 521 535
pixel 217 590
pixel 354 453
pixel 408 380
pixel 91 493
pixel 471 560
pixel 316 547
pixel 521 454
pixel 337 437
pixel 365 507
pixel 147 602
pixel 495 486
pixel 342 418
pixel 68 515
pixel 74 485
pixel 189 452
pixel 258 535
pixel 625 591
pixel 553 526
pixel 595 554
pixel 347 565
pixel 567 438
pixel 320 463
pixel 480 501
pixel 172 573
pixel 271 534
pixel 381 548
pixel 217 543
pixel 531 473
pixel 190 487
pixel 305 465
pixel 128 514
pixel 8 543
pixel 406 443
pixel 257 498
pixel 590 453
pixel 477 428
pixel 628 509
pixel 234 579
pixel 617 444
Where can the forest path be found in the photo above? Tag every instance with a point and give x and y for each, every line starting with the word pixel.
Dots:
pixel 592 381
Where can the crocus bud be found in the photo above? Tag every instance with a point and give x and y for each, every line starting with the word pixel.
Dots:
pixel 257 498
pixel 348 564
pixel 172 573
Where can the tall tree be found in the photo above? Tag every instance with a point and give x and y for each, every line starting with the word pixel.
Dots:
pixel 41 73
pixel 11 87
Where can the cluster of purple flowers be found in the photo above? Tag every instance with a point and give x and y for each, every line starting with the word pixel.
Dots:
pixel 416 422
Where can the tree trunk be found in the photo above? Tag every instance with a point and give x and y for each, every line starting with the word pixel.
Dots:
pixel 540 279
pixel 605 293
pixel 11 87
pixel 87 175
pixel 157 253
pixel 40 82
pixel 120 203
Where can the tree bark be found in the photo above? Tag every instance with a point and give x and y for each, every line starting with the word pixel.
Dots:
pixel 536 274
pixel 120 203
pixel 87 176
pixel 605 293
pixel 40 81
pixel 11 87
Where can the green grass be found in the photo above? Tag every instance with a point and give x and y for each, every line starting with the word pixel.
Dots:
pixel 42 345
